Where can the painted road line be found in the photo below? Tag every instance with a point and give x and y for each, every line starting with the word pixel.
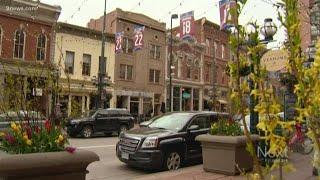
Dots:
pixel 93 147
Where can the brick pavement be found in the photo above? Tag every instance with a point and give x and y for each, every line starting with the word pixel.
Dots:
pixel 301 163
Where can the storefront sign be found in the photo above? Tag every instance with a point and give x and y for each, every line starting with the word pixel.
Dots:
pixel 186 95
pixel 275 60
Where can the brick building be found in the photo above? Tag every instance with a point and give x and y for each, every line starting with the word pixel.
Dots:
pixel 200 65
pixel 139 75
pixel 26 39
pixel 77 54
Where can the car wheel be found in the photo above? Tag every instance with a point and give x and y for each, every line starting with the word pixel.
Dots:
pixel 123 128
pixel 87 132
pixel 172 161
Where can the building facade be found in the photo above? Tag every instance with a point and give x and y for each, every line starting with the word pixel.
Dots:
pixel 26 41
pixel 139 75
pixel 77 54
pixel 187 75
pixel 210 53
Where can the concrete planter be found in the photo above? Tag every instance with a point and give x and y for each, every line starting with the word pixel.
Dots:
pixel 46 166
pixel 225 154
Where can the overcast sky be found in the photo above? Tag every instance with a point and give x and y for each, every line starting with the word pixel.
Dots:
pixel 79 12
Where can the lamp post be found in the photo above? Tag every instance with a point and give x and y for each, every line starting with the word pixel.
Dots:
pixel 102 64
pixel 268 30
pixel 173 16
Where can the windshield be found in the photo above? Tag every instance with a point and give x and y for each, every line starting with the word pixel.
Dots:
pixel 89 113
pixel 174 122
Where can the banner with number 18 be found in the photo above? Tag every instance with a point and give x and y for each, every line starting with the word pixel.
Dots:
pixel 187 25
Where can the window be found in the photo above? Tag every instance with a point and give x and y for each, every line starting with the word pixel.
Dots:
pixel 127 45
pixel 19 41
pixel 188 72
pixel 1 34
pixel 86 64
pixel 126 72
pixel 154 76
pixel 176 98
pixel 208 40
pixel 215 47
pixel 207 73
pixel 201 122
pixel 41 47
pixel 222 51
pixel 155 51
pixel 195 99
pixel 69 64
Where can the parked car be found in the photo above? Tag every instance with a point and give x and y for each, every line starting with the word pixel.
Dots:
pixel 166 142
pixel 146 123
pixel 104 121
pixel 20 117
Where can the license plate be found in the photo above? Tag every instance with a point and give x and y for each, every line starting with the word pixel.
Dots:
pixel 125 155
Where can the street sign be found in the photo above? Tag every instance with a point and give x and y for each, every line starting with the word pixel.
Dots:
pixel 186 95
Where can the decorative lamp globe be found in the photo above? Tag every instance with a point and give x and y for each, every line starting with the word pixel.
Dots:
pixel 269 29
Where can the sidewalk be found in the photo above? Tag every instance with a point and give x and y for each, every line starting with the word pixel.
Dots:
pixel 302 164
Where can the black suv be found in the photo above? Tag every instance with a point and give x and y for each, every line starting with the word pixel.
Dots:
pixel 104 121
pixel 166 142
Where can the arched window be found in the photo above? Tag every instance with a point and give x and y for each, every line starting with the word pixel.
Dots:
pixel 19 43
pixel 41 47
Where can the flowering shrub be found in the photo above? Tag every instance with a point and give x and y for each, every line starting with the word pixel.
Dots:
pixel 226 128
pixel 32 138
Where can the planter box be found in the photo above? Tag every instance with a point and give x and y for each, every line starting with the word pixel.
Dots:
pixel 224 154
pixel 46 166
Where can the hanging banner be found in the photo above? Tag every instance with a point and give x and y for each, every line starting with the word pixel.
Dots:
pixel 226 19
pixel 119 37
pixel 138 37
pixel 187 25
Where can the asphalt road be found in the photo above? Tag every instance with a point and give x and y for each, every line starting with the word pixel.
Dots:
pixel 109 167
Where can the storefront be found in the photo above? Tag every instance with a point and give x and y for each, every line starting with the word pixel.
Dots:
pixel 140 104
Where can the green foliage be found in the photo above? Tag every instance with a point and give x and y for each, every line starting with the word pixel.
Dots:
pixel 226 127
pixel 27 138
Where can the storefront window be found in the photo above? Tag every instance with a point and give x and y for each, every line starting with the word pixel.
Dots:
pixel 176 99
pixel 196 99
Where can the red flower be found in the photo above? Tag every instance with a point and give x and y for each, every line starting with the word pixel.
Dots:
pixel 47 125
pixel 70 149
pixel 37 129
pixel 10 139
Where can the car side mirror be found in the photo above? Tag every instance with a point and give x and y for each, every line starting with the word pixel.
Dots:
pixel 193 128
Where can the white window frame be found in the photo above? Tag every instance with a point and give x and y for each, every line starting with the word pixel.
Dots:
pixel 154 76
pixel 126 72
pixel 45 47
pixel 24 44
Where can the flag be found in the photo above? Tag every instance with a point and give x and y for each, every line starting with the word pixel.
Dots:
pixel 187 25
pixel 119 36
pixel 226 18
pixel 138 37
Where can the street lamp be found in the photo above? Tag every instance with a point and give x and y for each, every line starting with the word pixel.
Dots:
pixel 102 64
pixel 268 30
pixel 173 16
